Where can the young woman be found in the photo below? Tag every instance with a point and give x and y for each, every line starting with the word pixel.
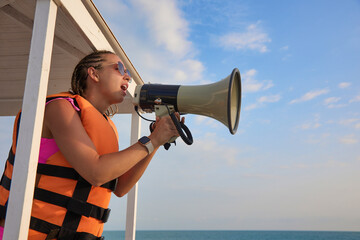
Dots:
pixel 79 161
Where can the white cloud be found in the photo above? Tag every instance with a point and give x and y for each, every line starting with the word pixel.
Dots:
pixel 355 99
pixel 349 139
pixel 254 38
pixel 313 124
pixel 166 25
pixel 250 84
pixel 310 95
pixel 269 99
pixel 206 121
pixel 344 84
pixel 331 100
pixel 260 102
pixel 353 122
pixel 336 105
pixel 307 126
pixel 349 121
pixel 251 106
pixel 155 37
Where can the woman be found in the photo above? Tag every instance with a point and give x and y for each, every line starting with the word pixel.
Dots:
pixel 79 162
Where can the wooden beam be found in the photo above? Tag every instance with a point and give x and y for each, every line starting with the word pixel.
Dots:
pixel 27 152
pixel 59 42
pixel 131 209
pixel 5 2
pixel 85 23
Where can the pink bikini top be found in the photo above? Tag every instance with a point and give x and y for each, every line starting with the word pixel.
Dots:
pixel 48 146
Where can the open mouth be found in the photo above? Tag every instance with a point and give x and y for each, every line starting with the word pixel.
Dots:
pixel 124 87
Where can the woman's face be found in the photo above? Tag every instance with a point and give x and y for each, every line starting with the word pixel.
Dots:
pixel 112 83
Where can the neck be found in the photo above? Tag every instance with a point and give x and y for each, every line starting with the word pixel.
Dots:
pixel 98 103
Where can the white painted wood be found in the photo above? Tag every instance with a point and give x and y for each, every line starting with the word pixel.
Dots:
pixel 130 229
pixel 23 181
pixel 131 209
pixel 27 22
pixel 86 23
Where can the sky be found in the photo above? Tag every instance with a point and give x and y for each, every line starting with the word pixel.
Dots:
pixel 295 159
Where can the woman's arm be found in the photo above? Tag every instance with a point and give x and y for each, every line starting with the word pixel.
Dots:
pixel 66 128
pixel 130 178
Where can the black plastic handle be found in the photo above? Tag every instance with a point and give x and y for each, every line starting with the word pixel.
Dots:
pixel 181 127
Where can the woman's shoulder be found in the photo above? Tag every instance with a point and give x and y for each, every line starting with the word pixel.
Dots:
pixel 68 98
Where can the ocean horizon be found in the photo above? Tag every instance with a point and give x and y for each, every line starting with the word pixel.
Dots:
pixel 235 235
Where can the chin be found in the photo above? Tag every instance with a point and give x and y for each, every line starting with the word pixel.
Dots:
pixel 118 100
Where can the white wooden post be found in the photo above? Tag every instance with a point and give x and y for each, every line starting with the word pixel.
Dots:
pixel 132 195
pixel 27 152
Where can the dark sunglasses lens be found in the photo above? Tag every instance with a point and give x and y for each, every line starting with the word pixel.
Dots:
pixel 121 68
pixel 128 73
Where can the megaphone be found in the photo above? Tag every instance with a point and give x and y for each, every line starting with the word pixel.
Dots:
pixel 220 100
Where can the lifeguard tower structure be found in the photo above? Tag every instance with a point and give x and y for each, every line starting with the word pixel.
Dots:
pixel 40 43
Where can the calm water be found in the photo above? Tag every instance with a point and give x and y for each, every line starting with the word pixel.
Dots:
pixel 235 235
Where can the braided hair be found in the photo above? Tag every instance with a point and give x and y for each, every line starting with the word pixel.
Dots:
pixel 80 74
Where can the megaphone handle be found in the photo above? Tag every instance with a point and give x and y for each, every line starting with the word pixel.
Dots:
pixel 163 110
pixel 186 137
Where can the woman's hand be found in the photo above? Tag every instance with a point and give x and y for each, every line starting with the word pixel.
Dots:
pixel 164 130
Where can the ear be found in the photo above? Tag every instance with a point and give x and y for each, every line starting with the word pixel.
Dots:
pixel 93 74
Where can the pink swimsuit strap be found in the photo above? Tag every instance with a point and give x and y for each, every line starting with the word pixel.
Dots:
pixel 71 100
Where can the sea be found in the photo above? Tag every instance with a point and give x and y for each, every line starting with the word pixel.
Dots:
pixel 235 235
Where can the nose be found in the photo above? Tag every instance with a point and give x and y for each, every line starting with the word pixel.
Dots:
pixel 127 77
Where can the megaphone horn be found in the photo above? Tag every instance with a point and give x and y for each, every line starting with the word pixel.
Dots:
pixel 220 100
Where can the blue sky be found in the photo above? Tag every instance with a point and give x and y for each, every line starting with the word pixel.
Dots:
pixel 294 162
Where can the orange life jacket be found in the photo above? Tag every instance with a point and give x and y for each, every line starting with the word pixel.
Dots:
pixel 65 205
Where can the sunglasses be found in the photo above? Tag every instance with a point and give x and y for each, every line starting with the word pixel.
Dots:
pixel 122 69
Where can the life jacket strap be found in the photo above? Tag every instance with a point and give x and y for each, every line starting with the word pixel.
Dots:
pixel 3 211
pixel 5 182
pixel 69 173
pixel 81 193
pixel 76 206
pixel 60 233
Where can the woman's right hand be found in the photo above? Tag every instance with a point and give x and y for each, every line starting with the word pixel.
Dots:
pixel 164 130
